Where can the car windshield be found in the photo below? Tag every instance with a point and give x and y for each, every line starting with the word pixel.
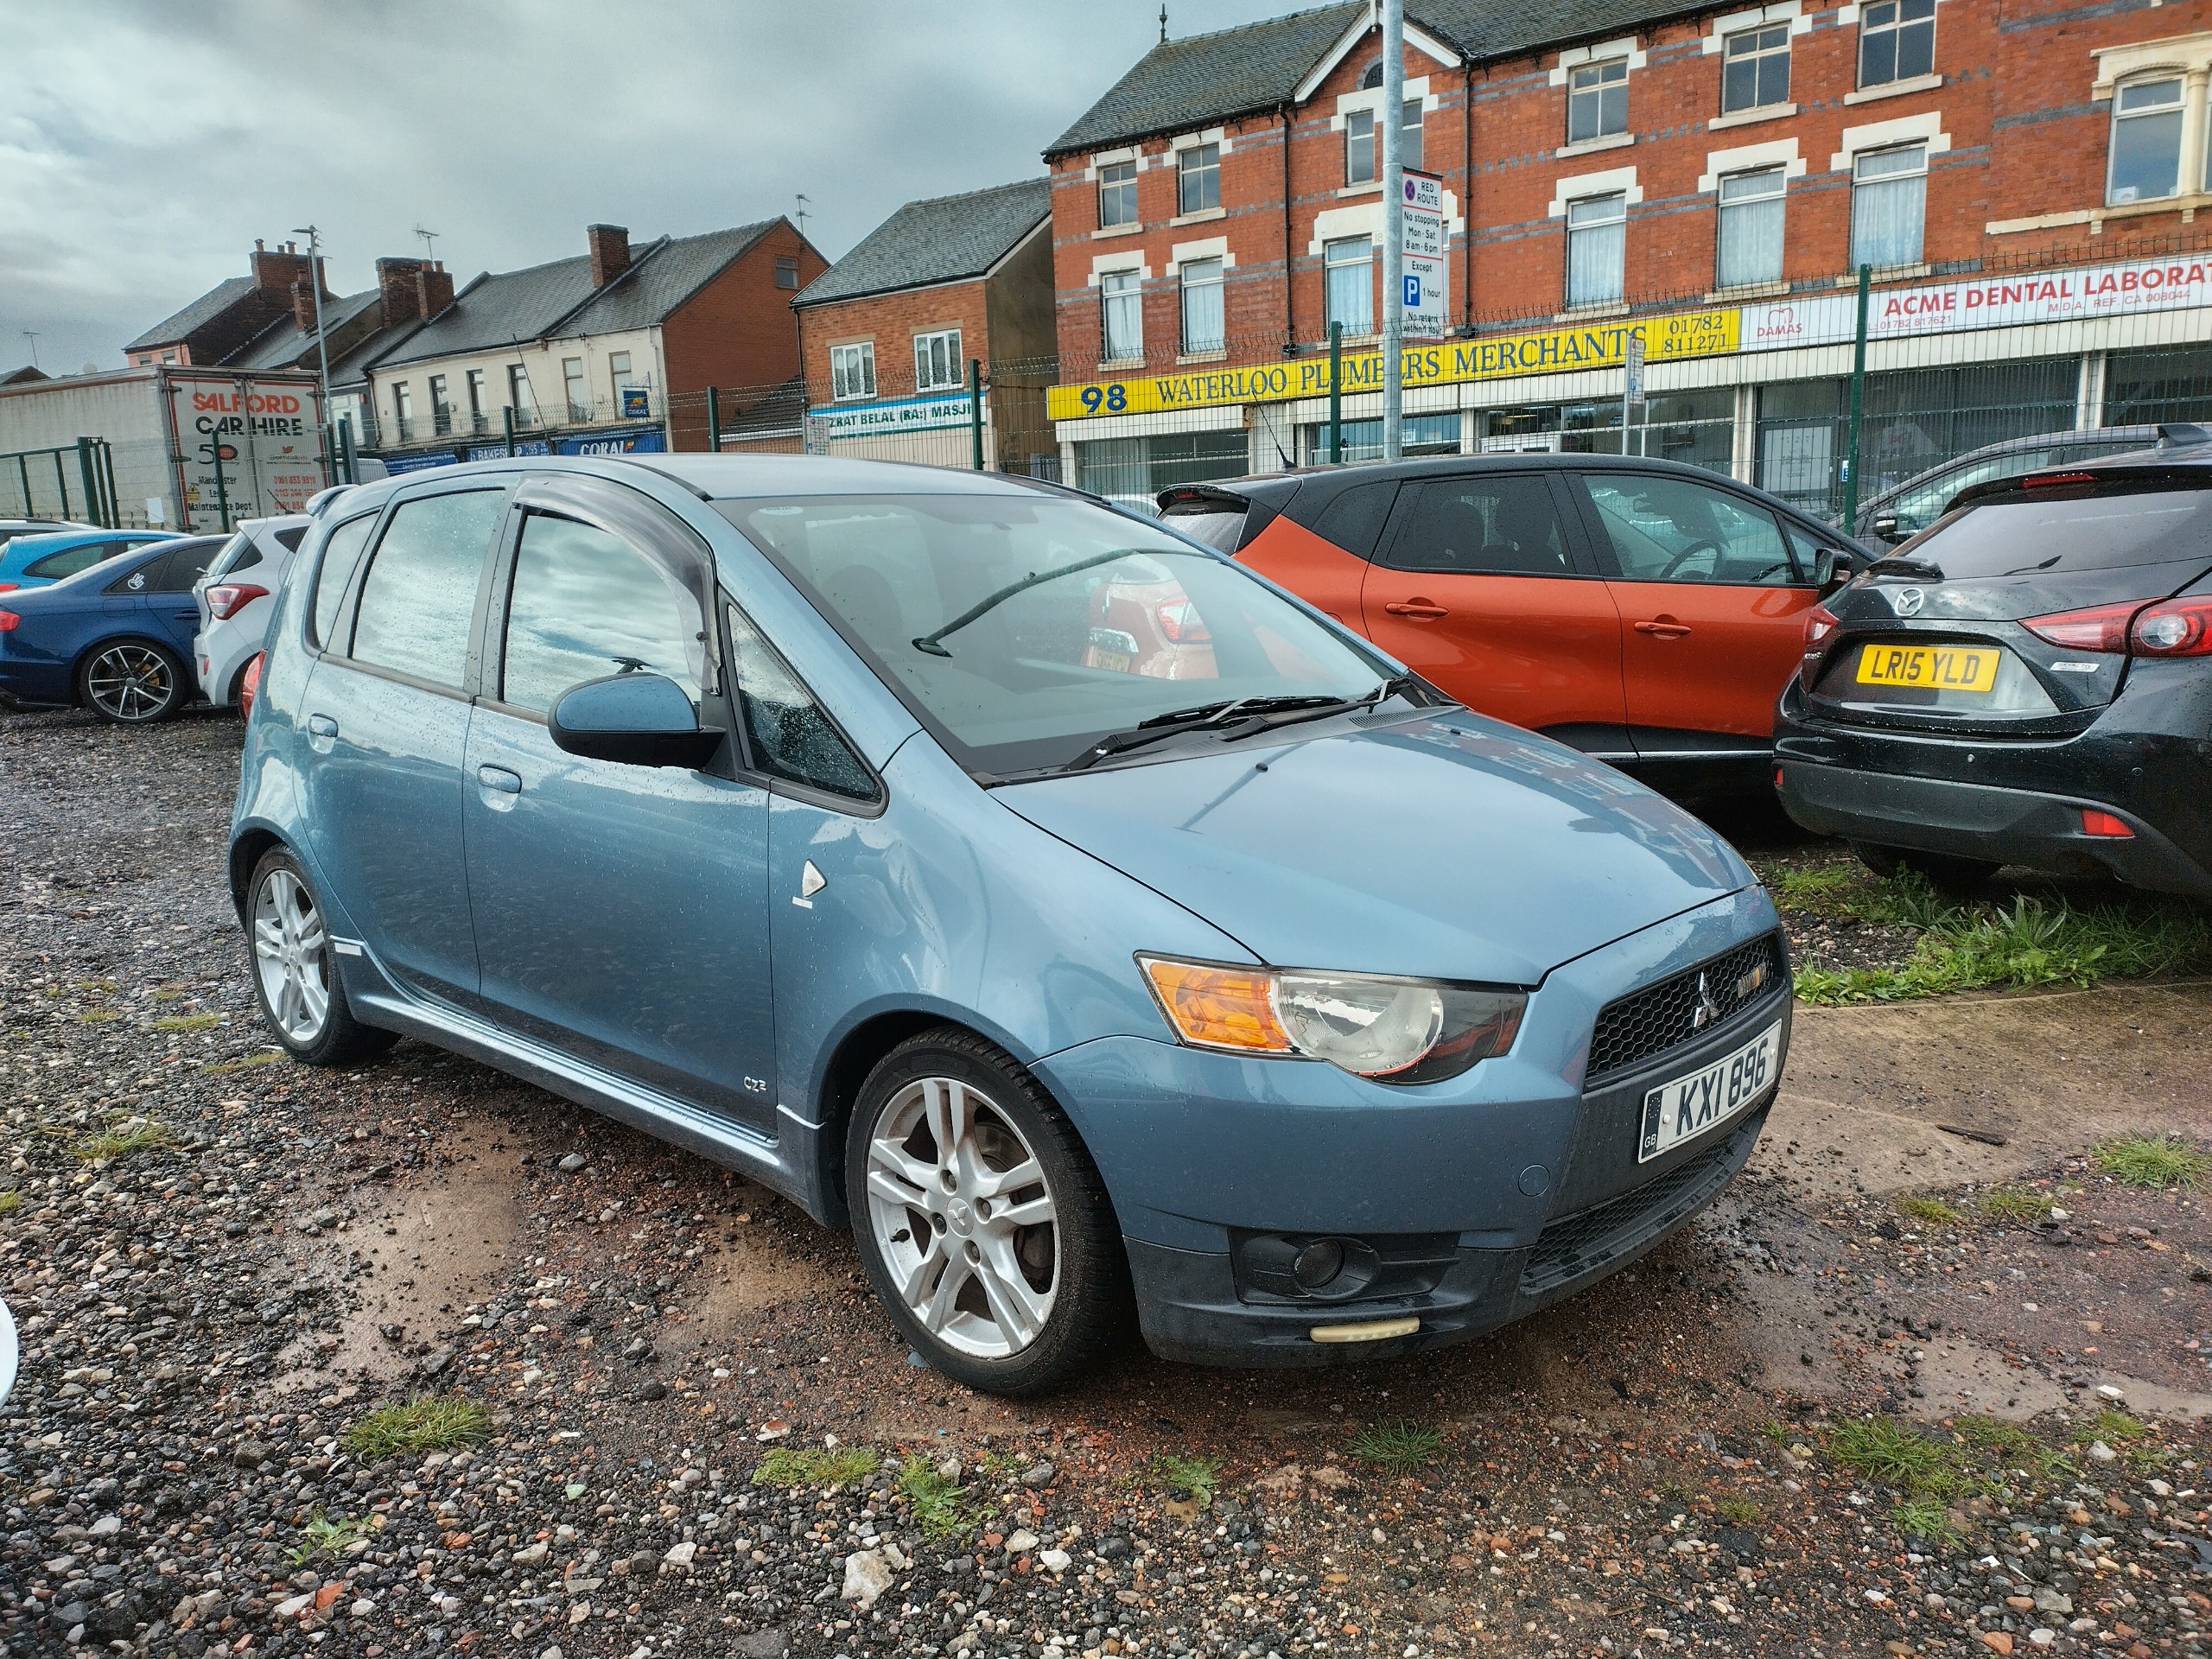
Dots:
pixel 2110 530
pixel 1024 630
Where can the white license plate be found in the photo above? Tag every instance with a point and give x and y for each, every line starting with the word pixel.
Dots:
pixel 1687 1107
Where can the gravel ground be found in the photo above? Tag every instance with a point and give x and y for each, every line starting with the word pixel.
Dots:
pixel 224 1264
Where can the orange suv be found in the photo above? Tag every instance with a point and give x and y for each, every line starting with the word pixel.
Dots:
pixel 1646 612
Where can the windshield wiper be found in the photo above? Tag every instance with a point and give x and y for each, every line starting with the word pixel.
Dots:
pixel 1238 717
pixel 929 642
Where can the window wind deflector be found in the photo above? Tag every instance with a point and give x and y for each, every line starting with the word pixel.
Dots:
pixel 931 642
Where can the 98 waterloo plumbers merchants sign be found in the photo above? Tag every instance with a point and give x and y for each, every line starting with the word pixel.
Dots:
pixel 265 435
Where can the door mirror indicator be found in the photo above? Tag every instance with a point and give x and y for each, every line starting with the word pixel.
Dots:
pixel 638 720
pixel 1886 526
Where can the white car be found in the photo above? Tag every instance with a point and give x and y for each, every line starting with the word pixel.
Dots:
pixel 237 598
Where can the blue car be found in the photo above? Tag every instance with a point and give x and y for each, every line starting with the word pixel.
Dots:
pixel 115 638
pixel 35 561
pixel 1106 936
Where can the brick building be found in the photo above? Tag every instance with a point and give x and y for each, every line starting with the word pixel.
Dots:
pixel 2021 174
pixel 231 315
pixel 886 334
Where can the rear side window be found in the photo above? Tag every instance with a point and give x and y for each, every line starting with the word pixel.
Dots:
pixel 1496 525
pixel 1354 519
pixel 70 560
pixel 176 571
pixel 342 551
pixel 237 553
pixel 585 604
pixel 789 736
pixel 2107 531
pixel 288 539
pixel 419 596
pixel 1219 527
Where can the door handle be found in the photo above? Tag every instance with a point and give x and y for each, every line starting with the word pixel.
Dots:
pixel 321 726
pixel 1664 627
pixel 498 778
pixel 1421 607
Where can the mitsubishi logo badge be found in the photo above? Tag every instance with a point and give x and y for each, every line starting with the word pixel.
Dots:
pixel 1709 1006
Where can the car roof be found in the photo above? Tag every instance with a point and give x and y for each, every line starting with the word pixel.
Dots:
pixel 60 538
pixel 716 478
pixel 2182 456
pixel 2145 434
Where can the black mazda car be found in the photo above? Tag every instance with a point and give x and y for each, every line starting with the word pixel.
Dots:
pixel 2028 681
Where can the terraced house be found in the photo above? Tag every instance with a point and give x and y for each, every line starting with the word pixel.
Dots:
pixel 2021 177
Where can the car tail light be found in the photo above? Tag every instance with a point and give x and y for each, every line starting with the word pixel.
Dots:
pixel 9 587
pixel 250 682
pixel 2047 480
pixel 8 621
pixel 225 599
pixel 1180 622
pixel 2101 627
pixel 2178 627
pixel 1820 623
pixel 2095 822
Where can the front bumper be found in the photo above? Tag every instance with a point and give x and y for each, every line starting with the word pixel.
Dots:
pixel 1485 1197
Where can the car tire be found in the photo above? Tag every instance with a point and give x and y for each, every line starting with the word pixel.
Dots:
pixel 131 682
pixel 295 979
pixel 1072 1302
pixel 1949 874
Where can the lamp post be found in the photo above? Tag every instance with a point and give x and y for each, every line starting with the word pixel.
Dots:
pixel 1390 119
pixel 321 346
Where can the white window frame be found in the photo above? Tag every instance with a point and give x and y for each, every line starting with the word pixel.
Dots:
pixel 1335 256
pixel 1595 70
pixel 1786 51
pixel 1593 227
pixel 1118 185
pixel 1894 28
pixel 926 378
pixel 1129 301
pixel 618 371
pixel 576 388
pixel 852 370
pixel 2177 110
pixel 522 396
pixel 1213 274
pixel 1885 180
pixel 1187 169
pixel 1779 173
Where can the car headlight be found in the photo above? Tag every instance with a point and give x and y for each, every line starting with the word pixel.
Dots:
pixel 1372 1025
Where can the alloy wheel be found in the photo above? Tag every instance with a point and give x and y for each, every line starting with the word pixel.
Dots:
pixel 131 682
pixel 964 1219
pixel 292 954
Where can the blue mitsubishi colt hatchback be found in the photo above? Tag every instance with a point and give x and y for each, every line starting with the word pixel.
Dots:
pixel 1098 931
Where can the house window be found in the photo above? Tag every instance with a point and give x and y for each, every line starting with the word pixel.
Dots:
pixel 852 370
pixel 786 271
pixel 1198 178
pixel 1597 243
pixel 572 381
pixel 1202 315
pixel 402 410
pixel 1897 40
pixel 1350 291
pixel 1117 194
pixel 475 382
pixel 2145 142
pixel 1597 100
pixel 1889 204
pixel 618 371
pixel 936 361
pixel 1121 307
pixel 1754 68
pixel 1363 148
pixel 441 410
pixel 518 395
pixel 1749 235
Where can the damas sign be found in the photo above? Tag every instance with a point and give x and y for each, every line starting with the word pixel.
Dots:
pixel 1984 302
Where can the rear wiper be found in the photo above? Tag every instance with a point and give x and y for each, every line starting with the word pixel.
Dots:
pixel 1238 717
pixel 1894 567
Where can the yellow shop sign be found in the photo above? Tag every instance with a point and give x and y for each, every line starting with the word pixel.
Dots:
pixel 1548 350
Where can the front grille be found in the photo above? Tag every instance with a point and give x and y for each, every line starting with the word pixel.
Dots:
pixel 1663 1016
pixel 1577 1245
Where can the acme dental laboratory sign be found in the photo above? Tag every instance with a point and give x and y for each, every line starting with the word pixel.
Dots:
pixel 1551 351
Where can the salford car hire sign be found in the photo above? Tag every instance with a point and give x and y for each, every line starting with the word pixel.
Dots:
pixel 247 445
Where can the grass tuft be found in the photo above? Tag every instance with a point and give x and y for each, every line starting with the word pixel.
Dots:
pixel 2013 1204
pixel 97 1016
pixel 1888 1452
pixel 10 1201
pixel 817 1466
pixel 1400 1445
pixel 323 1535
pixel 941 1507
pixel 437 1422
pixel 1196 1475
pixel 188 1022
pixel 1925 1518
pixel 1737 1510
pixel 1922 1206
pixel 2151 1161
pixel 123 1137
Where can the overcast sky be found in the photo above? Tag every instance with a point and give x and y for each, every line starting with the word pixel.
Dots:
pixel 144 146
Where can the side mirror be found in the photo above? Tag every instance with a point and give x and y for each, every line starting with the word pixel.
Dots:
pixel 639 720
pixel 1831 569
pixel 1886 526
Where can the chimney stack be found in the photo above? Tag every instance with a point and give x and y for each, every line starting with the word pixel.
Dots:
pixel 610 252
pixel 433 288
pixel 398 291
pixel 303 307
pixel 276 270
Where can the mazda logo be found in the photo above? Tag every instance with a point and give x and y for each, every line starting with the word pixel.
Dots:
pixel 1907 602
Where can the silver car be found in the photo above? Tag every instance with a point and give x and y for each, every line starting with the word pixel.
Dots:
pixel 237 598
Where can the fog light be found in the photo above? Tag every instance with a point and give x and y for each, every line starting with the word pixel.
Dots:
pixel 2095 822
pixel 1318 1264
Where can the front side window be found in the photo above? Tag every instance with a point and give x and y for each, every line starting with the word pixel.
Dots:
pixel 1596 244
pixel 2145 142
pixel 1897 40
pixel 1350 266
pixel 1198 178
pixel 936 361
pixel 1889 206
pixel 1202 309
pixel 419 596
pixel 852 370
pixel 1024 629
pixel 1671 529
pixel 1754 68
pixel 1750 240
pixel 786 732
pixel 342 551
pixel 586 604
pixel 1597 100
pixel 1120 309
pixel 1117 194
